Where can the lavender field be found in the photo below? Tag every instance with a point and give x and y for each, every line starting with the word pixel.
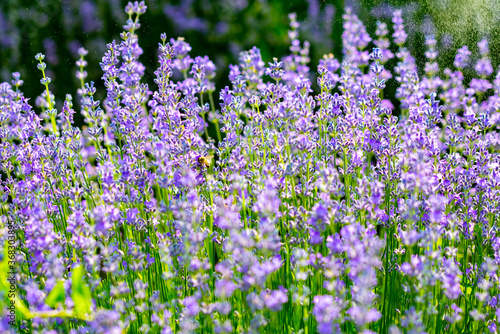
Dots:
pixel 354 196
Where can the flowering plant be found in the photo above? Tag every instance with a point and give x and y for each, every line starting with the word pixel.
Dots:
pixel 309 212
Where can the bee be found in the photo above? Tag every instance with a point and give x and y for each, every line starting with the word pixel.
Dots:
pixel 205 161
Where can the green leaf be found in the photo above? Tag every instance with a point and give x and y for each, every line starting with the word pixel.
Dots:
pixel 21 310
pixel 81 292
pixel 57 295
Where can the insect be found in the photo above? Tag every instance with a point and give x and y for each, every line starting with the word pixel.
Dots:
pixel 205 161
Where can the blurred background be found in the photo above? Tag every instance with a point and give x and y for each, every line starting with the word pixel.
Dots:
pixel 221 29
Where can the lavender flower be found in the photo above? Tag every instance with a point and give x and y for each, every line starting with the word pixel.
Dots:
pixel 315 210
